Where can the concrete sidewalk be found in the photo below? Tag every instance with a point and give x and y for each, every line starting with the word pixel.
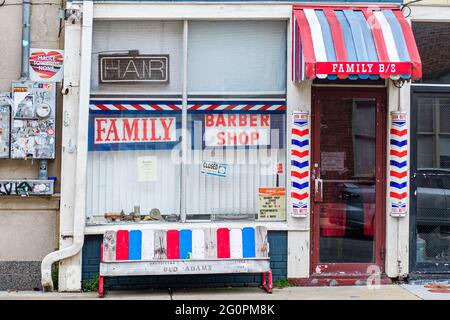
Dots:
pixel 385 292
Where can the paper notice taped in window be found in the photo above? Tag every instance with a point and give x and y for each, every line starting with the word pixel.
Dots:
pixel 147 167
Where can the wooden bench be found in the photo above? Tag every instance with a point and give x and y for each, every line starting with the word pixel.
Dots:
pixel 187 251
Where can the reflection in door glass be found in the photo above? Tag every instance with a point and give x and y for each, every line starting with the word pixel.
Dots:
pixel 433 182
pixel 347 168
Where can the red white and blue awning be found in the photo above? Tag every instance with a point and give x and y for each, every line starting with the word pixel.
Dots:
pixel 353 42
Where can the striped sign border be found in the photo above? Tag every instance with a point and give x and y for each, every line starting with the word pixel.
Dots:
pixel 300 149
pixel 398 164
pixel 203 106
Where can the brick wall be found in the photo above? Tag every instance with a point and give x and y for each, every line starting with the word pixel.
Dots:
pixel 278 261
pixel 434 48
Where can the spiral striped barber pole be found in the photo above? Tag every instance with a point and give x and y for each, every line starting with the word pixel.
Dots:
pixel 398 164
pixel 300 164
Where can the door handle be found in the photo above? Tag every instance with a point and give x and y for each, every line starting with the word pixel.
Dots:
pixel 318 190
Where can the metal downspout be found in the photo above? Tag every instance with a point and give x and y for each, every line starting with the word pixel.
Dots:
pixel 81 157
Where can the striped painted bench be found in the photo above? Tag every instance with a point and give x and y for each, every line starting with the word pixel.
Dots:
pixel 187 251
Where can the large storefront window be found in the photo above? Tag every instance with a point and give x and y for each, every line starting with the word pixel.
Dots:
pixel 431 157
pixel 433 178
pixel 236 125
pixel 237 81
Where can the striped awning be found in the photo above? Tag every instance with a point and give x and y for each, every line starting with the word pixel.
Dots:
pixel 353 42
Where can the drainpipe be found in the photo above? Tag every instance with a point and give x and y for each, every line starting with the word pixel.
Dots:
pixel 81 157
pixel 26 12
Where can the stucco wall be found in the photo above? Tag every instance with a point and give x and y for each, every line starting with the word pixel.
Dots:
pixel 28 225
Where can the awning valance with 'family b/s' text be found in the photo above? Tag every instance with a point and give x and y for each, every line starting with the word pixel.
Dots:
pixel 353 42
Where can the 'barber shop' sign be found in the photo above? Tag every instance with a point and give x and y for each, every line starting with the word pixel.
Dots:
pixel 148 68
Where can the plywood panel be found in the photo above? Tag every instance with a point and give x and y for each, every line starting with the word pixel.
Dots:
pixel 236 243
pixel 262 246
pixel 109 246
pixel 223 243
pixel 135 245
pixel 160 245
pixel 248 242
pixel 210 243
pixel 122 245
pixel 173 244
pixel 185 244
pixel 198 244
pixel 148 244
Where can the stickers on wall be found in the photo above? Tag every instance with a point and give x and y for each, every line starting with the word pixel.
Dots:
pixel 33 120
pixel 214 168
pixel 398 164
pixel 46 65
pixel 272 204
pixel 5 120
pixel 26 187
pixel 300 171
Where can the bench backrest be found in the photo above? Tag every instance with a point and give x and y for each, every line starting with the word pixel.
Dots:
pixel 202 244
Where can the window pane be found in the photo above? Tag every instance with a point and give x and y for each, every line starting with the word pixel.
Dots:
pixel 444 152
pixel 250 156
pixel 237 56
pixel 425 153
pixel 425 114
pixel 149 37
pixel 432 40
pixel 445 114
pixel 132 173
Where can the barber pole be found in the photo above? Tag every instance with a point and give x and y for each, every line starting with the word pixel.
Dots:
pixel 300 164
pixel 398 164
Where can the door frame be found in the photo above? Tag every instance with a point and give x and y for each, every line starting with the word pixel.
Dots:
pixel 352 269
pixel 424 268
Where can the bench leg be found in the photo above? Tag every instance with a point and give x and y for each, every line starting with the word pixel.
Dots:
pixel 268 286
pixel 101 292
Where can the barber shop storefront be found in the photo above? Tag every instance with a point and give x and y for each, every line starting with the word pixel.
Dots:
pixel 294 118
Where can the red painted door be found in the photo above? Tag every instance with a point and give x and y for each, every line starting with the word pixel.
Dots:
pixel 348 180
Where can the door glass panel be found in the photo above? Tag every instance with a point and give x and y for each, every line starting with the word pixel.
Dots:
pixel 425 119
pixel 425 158
pixel 445 115
pixel 433 184
pixel 347 168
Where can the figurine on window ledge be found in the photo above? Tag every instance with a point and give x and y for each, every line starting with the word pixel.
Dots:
pixel 154 215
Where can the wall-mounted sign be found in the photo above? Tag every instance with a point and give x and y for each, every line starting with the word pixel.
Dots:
pixel 272 204
pixel 125 130
pixel 147 168
pixel 133 69
pixel 237 130
pixel 332 161
pixel 214 168
pixel 46 65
